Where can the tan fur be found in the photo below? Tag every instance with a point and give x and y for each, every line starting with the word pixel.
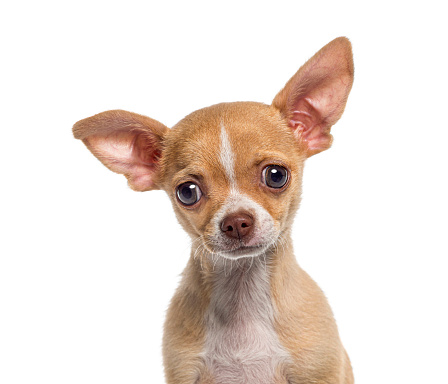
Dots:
pixel 306 326
pixel 184 328
pixel 295 127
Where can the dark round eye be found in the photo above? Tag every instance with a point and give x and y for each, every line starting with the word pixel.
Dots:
pixel 188 193
pixel 275 176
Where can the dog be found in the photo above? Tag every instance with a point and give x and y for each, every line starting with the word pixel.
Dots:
pixel 244 312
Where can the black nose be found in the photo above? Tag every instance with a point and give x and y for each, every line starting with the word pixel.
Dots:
pixel 238 225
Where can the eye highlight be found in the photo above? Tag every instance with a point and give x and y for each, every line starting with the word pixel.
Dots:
pixel 188 193
pixel 275 176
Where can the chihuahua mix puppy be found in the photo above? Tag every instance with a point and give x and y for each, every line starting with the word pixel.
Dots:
pixel 244 312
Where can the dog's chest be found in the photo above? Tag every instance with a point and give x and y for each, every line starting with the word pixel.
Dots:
pixel 241 343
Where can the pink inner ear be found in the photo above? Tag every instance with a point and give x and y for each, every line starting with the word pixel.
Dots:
pixel 303 118
pixel 306 123
pixel 314 98
pixel 132 153
pixel 316 111
pixel 126 143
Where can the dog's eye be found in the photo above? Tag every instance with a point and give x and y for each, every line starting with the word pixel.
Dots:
pixel 188 193
pixel 275 176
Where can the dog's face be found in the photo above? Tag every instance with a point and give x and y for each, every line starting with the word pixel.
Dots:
pixel 233 171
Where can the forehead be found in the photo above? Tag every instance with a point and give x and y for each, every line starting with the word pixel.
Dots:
pixel 254 131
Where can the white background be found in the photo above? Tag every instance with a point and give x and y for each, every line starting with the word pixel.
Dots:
pixel 88 267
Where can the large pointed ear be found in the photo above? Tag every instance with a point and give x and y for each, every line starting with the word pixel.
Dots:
pixel 315 97
pixel 126 143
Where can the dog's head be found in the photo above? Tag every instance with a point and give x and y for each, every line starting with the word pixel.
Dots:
pixel 233 171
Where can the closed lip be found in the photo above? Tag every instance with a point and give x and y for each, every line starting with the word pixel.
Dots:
pixel 244 251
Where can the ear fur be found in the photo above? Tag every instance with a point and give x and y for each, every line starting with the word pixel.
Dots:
pixel 315 97
pixel 126 143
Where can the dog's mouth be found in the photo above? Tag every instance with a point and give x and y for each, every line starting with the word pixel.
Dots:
pixel 240 250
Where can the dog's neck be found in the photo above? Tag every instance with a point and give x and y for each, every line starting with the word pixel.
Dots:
pixel 240 315
pixel 211 271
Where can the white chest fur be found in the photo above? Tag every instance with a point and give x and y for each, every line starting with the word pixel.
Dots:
pixel 241 344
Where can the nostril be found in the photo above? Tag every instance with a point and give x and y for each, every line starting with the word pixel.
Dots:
pixel 238 225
